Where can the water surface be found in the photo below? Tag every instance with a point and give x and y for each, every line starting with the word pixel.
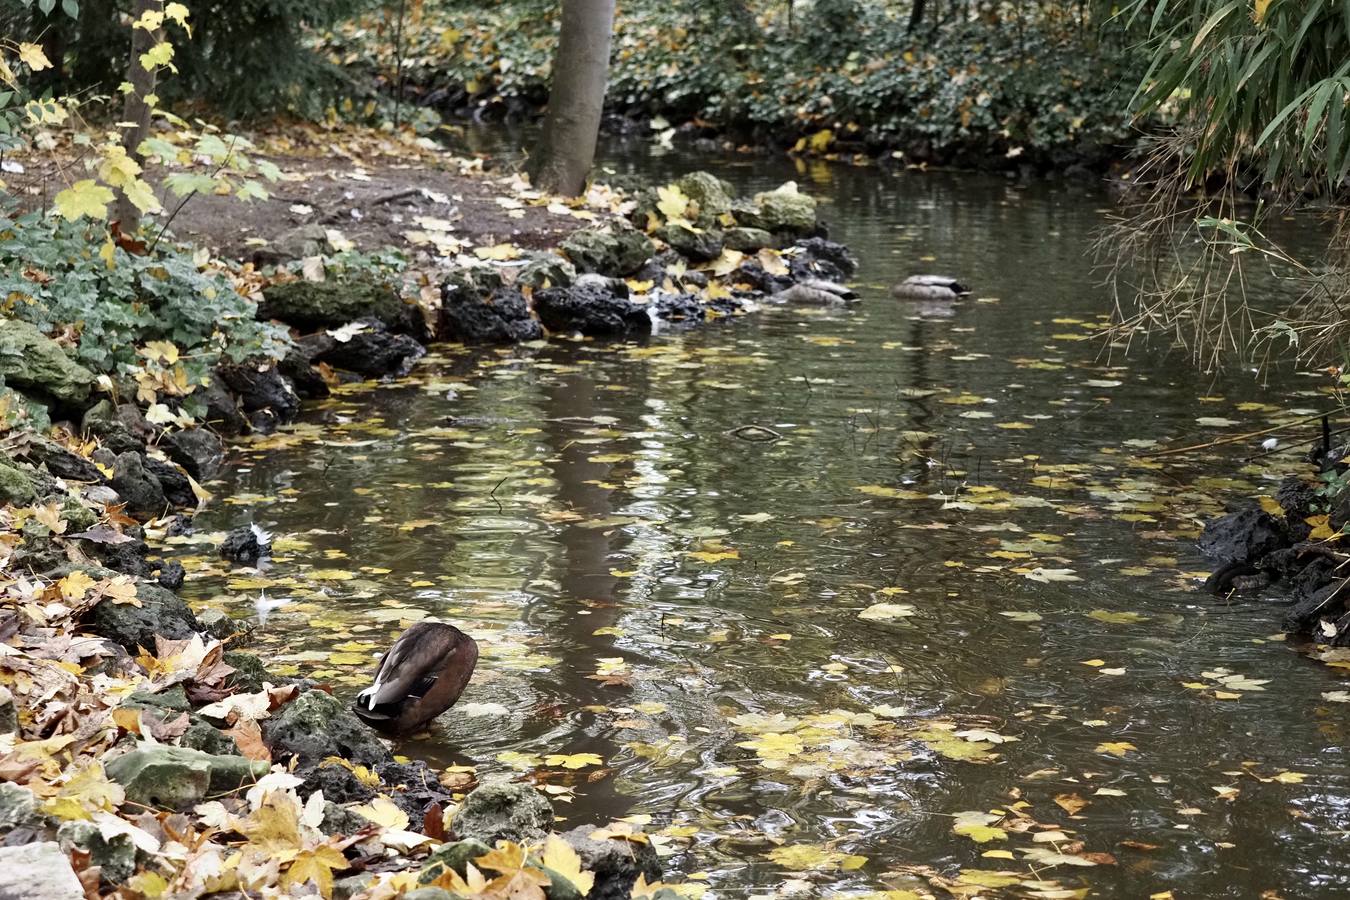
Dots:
pixel 685 605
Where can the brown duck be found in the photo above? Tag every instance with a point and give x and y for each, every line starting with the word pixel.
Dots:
pixel 419 678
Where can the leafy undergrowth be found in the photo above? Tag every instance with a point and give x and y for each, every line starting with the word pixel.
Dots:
pixel 842 77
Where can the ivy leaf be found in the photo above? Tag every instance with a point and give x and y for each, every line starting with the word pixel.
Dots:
pixel 84 198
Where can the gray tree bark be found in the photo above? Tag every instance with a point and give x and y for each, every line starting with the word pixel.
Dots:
pixel 562 161
pixel 135 111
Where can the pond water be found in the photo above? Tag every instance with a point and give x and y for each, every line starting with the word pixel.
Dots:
pixel 953 610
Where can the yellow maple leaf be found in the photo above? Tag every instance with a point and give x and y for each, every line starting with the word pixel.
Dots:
pixel 84 198
pixel 820 141
pixel 33 56
pixel 179 13
pixel 274 827
pixel 316 865
pixel 75 585
pixel 573 761
pixel 383 812
pixel 120 589
pixel 117 168
pixel 1116 748
pixel 159 55
pixel 673 203
pixel 85 792
pixel 727 263
pixel 775 746
pixel 498 252
pixel 561 858
pixel 50 515
pixel 507 857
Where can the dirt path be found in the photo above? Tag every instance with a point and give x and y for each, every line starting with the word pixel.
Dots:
pixel 372 206
pixel 362 187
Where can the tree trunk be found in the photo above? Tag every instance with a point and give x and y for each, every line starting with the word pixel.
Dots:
pixel 576 98
pixel 135 109
pixel 916 15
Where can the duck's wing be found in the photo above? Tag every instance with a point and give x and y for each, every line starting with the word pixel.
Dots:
pixel 415 656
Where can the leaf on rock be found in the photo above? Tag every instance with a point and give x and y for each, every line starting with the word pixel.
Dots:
pixel 561 858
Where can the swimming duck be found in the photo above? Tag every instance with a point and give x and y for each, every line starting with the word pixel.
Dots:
pixel 929 287
pixel 818 291
pixel 419 678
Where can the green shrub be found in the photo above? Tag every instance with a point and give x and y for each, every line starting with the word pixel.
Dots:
pixel 1008 84
pixel 57 274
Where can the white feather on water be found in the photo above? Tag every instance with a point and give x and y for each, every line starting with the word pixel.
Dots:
pixel 263 606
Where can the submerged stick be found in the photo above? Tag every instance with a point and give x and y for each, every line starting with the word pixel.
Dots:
pixel 1233 439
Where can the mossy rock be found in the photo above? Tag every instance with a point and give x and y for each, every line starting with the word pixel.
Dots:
pixel 249 672
pixel 162 612
pixel 315 726
pixel 16 486
pixel 311 306
pixel 202 735
pixel 29 360
pixel 176 778
pixel 18 806
pixel 455 856
pixel 699 246
pixel 430 893
pixel 747 240
pixel 713 196
pixel 78 516
pixel 546 270
pixel 175 699
pixel 616 250
pixel 784 210
pixel 115 856
pixel 504 811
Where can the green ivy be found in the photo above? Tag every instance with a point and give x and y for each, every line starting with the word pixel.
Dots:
pixel 57 274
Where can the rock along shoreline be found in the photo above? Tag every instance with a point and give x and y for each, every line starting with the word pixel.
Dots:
pixel 127 720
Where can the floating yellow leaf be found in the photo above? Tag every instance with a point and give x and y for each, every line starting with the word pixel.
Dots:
pixel 884 611
pixel 712 556
pixel 1117 618
pixel 801 857
pixel 573 761
pixel 979 827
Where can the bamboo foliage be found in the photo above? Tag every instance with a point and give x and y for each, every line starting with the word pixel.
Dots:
pixel 1265 82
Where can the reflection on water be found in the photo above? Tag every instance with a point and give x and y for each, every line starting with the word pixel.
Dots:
pixel 685 605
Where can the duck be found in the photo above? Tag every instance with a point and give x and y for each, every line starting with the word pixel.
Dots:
pixel 419 677
pixel 929 287
pixel 817 291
